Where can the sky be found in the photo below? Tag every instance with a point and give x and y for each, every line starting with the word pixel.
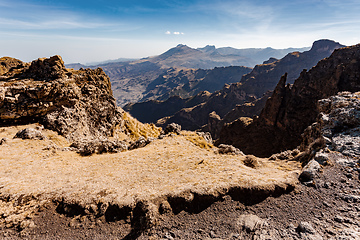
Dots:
pixel 97 30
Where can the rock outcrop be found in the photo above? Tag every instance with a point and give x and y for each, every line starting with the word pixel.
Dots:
pixel 77 104
pixel 292 108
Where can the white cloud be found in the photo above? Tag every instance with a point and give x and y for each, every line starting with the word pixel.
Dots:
pixel 174 33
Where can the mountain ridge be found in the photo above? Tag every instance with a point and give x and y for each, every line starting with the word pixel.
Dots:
pixel 254 85
pixel 292 108
pixel 130 79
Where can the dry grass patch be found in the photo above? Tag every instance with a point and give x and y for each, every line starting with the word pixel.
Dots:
pixel 134 129
pixel 197 140
pixel 165 168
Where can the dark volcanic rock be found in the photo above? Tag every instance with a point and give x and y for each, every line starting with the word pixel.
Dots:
pixel 292 108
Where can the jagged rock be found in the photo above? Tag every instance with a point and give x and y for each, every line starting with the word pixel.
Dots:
pixel 229 149
pixel 340 120
pixel 88 147
pixel 30 133
pixel 291 109
pixel 310 171
pixel 250 222
pixel 173 128
pixel 77 104
pixel 8 63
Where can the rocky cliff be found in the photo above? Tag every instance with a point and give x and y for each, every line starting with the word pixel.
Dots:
pixel 77 104
pixel 294 107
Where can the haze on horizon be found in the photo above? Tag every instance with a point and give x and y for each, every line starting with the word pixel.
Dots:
pixel 98 30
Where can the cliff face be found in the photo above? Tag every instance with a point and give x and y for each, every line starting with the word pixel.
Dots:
pixel 77 104
pixel 292 108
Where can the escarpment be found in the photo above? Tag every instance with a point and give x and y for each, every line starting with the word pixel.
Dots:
pixel 294 107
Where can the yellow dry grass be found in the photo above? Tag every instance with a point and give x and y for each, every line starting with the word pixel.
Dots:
pixel 134 129
pixel 197 140
pixel 165 167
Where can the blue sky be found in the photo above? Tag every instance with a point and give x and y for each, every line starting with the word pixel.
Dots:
pixel 88 31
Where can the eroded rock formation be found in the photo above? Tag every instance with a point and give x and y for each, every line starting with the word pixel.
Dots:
pixel 78 104
pixel 294 107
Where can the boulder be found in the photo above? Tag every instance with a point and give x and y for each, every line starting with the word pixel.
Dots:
pixel 30 133
pixel 229 149
pixel 250 222
pixel 173 128
pixel 310 171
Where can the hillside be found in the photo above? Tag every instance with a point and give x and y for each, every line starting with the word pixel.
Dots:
pixel 252 86
pixel 130 80
pixel 177 89
pixel 292 108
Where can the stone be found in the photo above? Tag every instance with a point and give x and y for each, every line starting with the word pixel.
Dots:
pixel 173 128
pixel 310 171
pixel 30 133
pixel 206 136
pixel 322 158
pixel 4 140
pixel 141 142
pixel 250 222
pixel 229 149
pixel 88 147
pixel 305 227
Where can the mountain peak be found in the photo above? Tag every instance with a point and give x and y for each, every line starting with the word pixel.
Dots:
pixel 325 45
pixel 179 50
pixel 182 46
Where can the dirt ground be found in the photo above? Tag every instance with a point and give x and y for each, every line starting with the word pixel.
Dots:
pixel 322 205
pixel 49 192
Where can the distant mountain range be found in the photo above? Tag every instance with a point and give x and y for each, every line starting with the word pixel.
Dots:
pixel 130 80
pixel 250 88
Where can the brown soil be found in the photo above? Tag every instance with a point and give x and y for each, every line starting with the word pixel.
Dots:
pixel 321 204
pixel 47 192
